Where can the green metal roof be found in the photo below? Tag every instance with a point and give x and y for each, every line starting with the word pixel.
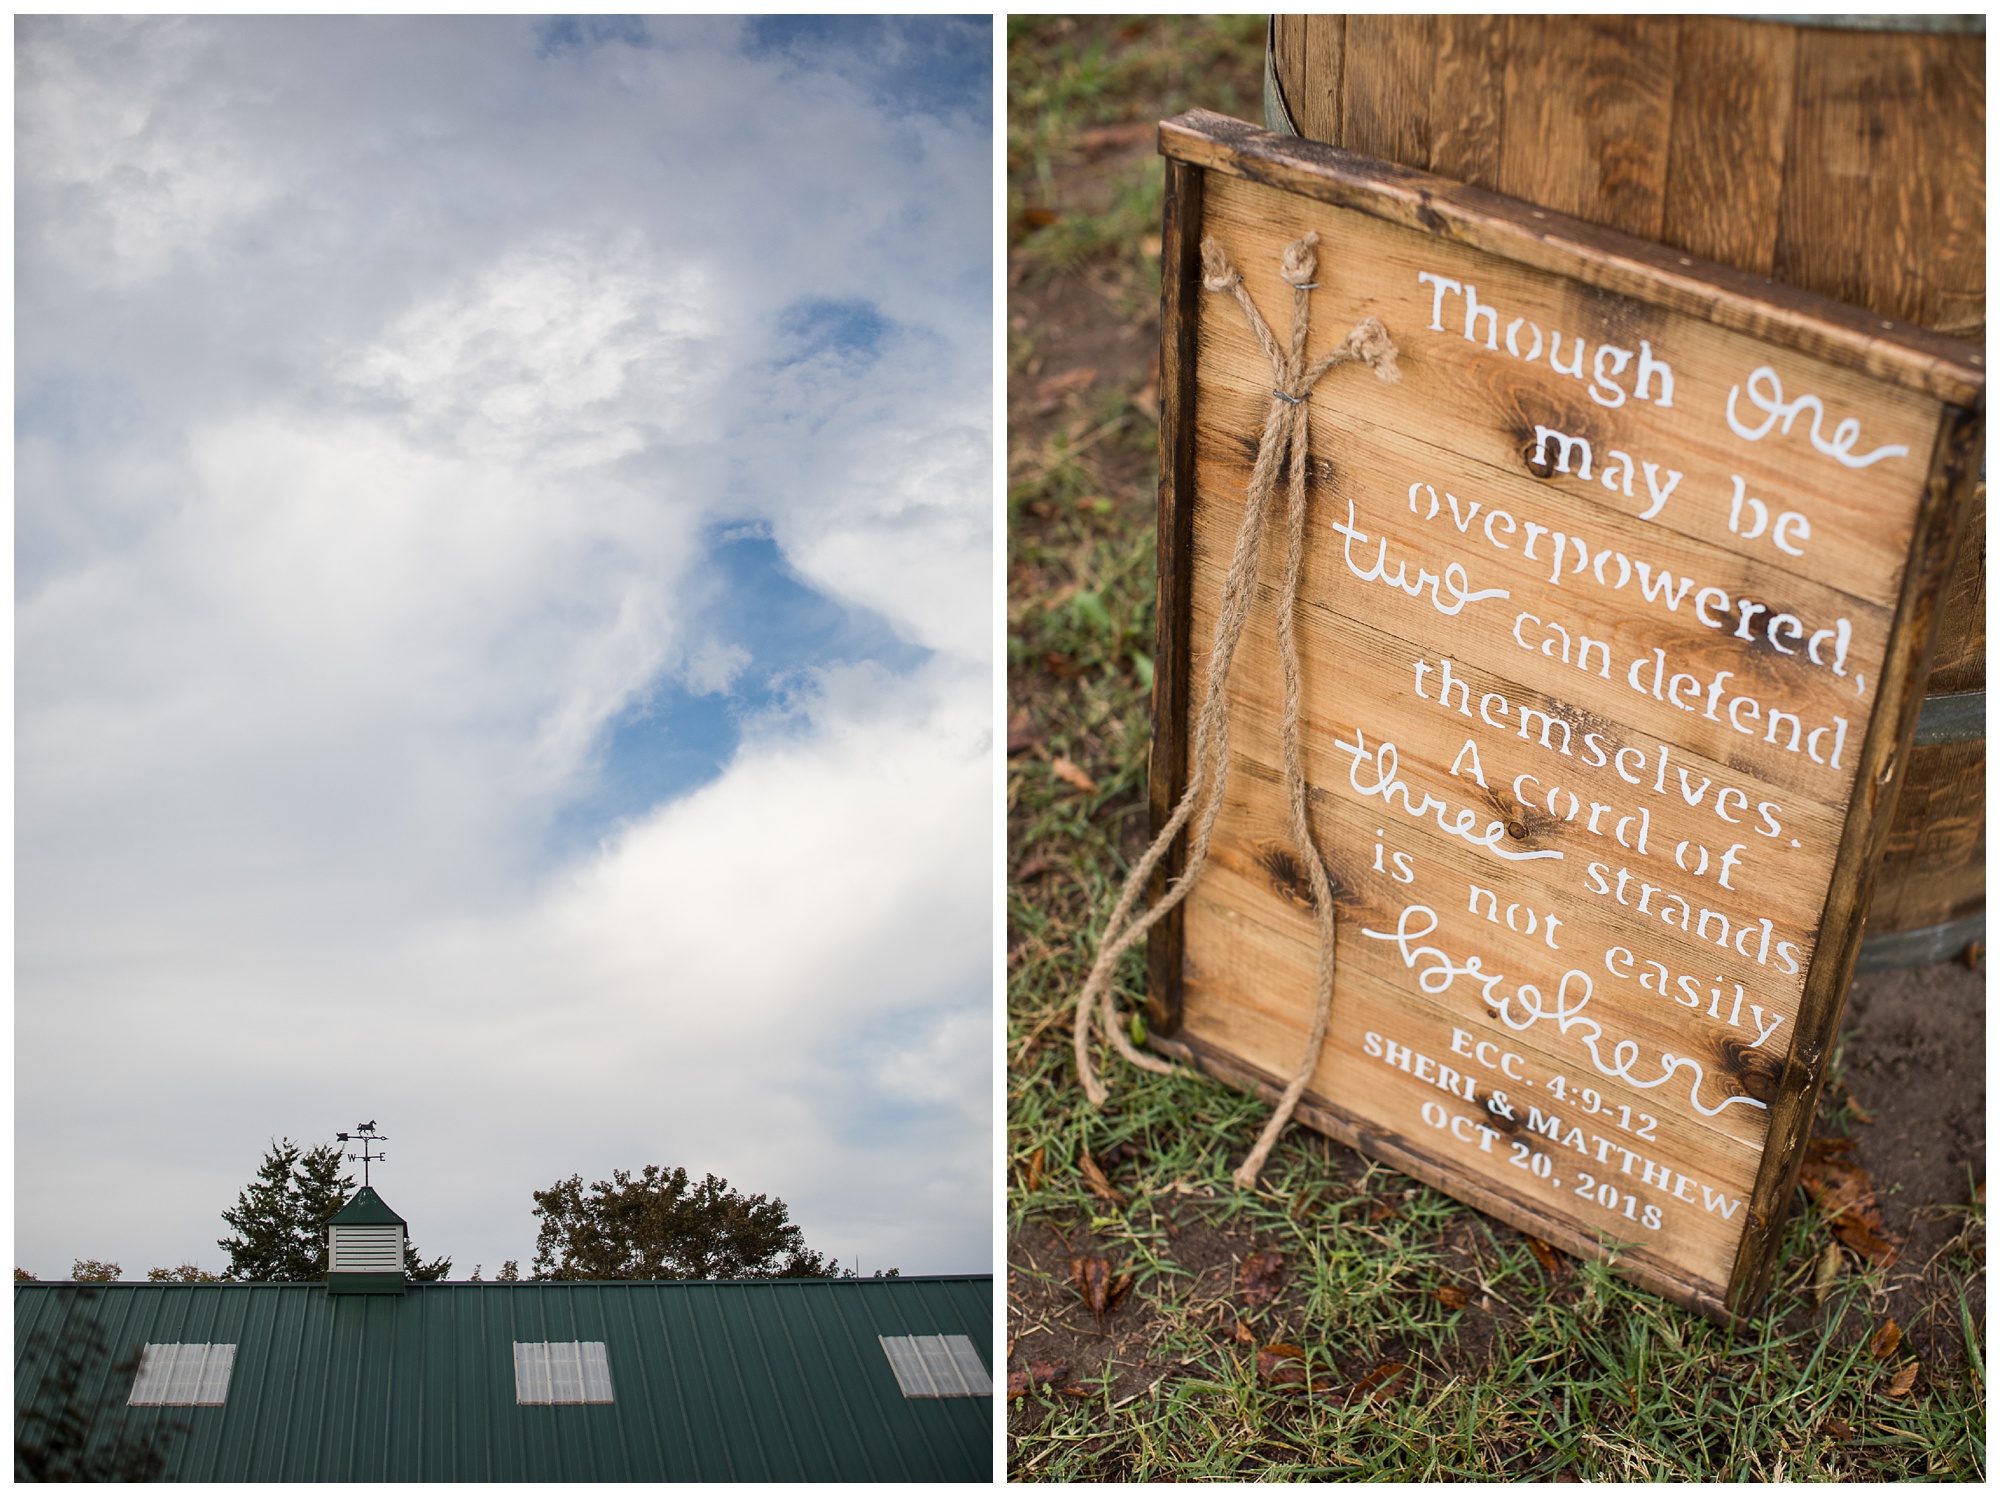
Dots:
pixel 749 1380
pixel 367 1209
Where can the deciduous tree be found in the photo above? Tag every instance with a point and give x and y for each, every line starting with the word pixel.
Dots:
pixel 663 1225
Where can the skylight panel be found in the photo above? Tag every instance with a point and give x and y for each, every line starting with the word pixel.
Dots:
pixel 561 1372
pixel 184 1374
pixel 937 1366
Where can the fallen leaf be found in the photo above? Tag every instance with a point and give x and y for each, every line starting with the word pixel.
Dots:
pixel 1845 1198
pixel 1384 1382
pixel 1150 246
pixel 1100 1186
pixel 1544 1255
pixel 1065 666
pixel 1100 1287
pixel 1021 734
pixel 1260 1276
pixel 1882 1345
pixel 1452 1297
pixel 1826 1273
pixel 1382 1211
pixel 1031 1177
pixel 1037 1375
pixel 1038 218
pixel 1036 866
pixel 1860 1113
pixel 1244 1334
pixel 1283 1363
pixel 1902 1382
pixel 1836 1429
pixel 1070 774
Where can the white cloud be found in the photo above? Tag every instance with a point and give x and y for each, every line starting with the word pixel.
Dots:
pixel 383 385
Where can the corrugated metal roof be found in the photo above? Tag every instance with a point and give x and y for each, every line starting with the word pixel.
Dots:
pixel 753 1380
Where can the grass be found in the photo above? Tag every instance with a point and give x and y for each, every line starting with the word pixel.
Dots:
pixel 1516 1370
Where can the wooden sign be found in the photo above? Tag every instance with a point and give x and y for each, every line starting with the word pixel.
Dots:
pixel 1612 618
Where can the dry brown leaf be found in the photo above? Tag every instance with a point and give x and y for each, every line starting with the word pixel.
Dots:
pixel 1070 774
pixel 1100 1186
pixel 1244 1334
pixel 1826 1273
pixel 1021 734
pixel 1031 1176
pixel 1038 1375
pixel 1384 1382
pixel 1382 1211
pixel 1836 1429
pixel 1100 1287
pixel 1260 1276
pixel 1882 1345
pixel 1902 1382
pixel 1544 1255
pixel 1860 1113
pixel 1452 1297
pixel 1845 1198
pixel 1038 218
pixel 1282 1363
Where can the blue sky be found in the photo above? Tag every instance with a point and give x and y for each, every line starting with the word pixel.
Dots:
pixel 503 596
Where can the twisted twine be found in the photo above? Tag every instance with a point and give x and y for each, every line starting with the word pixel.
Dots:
pixel 1286 433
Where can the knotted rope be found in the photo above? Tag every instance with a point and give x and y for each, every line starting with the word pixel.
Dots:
pixel 1286 432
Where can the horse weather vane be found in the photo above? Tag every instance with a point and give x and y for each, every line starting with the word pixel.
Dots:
pixel 364 1135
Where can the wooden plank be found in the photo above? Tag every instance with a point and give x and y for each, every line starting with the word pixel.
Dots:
pixel 1589 107
pixel 1934 863
pixel 1881 348
pixel 1386 106
pixel 1468 81
pixel 1180 290
pixel 1940 526
pixel 1960 663
pixel 1726 157
pixel 1517 1208
pixel 1594 927
pixel 1307 53
pixel 1953 122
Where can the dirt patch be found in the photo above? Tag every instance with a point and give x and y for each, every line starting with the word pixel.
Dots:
pixel 1915 1103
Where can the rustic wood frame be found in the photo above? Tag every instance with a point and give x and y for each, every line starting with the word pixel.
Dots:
pixel 1200 142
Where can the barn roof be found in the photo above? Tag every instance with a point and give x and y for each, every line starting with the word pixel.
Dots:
pixel 749 1380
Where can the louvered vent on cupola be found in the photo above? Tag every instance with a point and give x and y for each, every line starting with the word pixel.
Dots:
pixel 365 1247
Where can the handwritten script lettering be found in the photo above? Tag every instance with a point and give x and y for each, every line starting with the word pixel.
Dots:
pixel 1777 410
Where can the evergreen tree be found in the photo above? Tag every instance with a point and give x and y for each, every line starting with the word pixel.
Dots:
pixel 663 1226
pixel 281 1217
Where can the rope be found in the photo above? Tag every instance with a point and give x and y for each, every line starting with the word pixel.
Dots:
pixel 1286 432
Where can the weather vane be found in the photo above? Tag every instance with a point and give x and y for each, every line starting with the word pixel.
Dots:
pixel 365 1135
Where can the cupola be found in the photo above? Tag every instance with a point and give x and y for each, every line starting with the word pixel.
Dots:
pixel 365 1247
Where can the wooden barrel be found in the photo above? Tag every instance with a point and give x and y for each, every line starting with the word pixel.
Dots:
pixel 1842 154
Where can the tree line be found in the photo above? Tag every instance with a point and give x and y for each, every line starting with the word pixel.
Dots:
pixel 658 1224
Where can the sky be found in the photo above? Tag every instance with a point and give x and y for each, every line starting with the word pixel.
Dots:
pixel 503 550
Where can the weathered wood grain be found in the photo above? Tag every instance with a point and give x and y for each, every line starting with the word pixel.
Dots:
pixel 1726 155
pixel 1589 107
pixel 1884 349
pixel 1180 290
pixel 1576 983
